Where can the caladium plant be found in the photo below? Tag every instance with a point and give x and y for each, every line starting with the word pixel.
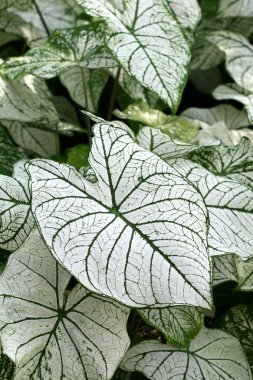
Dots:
pixel 126 248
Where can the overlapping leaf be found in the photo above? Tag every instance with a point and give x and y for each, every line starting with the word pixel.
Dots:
pixel 149 42
pixel 214 354
pixel 81 46
pixel 178 324
pixel 238 322
pixel 16 220
pixel 224 269
pixel 138 234
pixel 85 86
pixel 52 333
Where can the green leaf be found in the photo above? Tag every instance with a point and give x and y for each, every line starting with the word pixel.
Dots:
pixel 214 354
pixel 9 153
pixel 20 4
pixel 206 81
pixel 53 333
pixel 239 57
pixel 26 100
pixel 178 324
pixel 81 46
pixel 174 126
pixel 77 156
pixel 224 269
pixel 235 92
pixel 149 42
pixel 7 367
pixel 16 220
pixel 131 214
pixel 238 321
pixel 85 86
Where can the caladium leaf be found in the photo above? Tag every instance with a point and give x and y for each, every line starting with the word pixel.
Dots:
pixel 178 324
pixel 81 46
pixel 9 153
pixel 33 138
pixel 214 354
pixel 16 220
pixel 85 86
pixel 147 40
pixel 174 126
pixel 26 100
pixel 235 8
pixel 244 271
pixel 224 269
pixel 239 56
pixel 132 216
pixel 20 4
pixel 235 92
pixel 230 210
pixel 234 162
pixel 56 333
pixel 238 321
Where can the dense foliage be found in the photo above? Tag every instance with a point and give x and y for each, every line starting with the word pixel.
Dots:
pixel 126 248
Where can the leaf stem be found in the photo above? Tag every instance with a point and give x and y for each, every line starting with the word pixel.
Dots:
pixel 113 95
pixel 86 118
pixel 41 18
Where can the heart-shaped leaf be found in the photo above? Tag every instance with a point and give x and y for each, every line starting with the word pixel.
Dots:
pixel 149 42
pixel 214 354
pixel 141 223
pixel 53 333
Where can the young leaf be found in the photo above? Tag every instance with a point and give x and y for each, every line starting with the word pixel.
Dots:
pixel 214 354
pixel 149 222
pixel 178 324
pixel 26 100
pixel 81 46
pixel 52 333
pixel 239 56
pixel 149 42
pixel 235 92
pixel 9 153
pixel 238 322
pixel 85 86
pixel 16 220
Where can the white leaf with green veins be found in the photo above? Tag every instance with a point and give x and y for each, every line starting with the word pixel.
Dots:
pixel 179 324
pixel 83 83
pixel 235 8
pixel 235 162
pixel 188 13
pixel 26 100
pixel 34 139
pixel 53 333
pixel 81 46
pixel 238 321
pixel 239 56
pixel 150 222
pixel 224 269
pixel 214 354
pixel 16 220
pixel 245 274
pixel 149 42
pixel 235 92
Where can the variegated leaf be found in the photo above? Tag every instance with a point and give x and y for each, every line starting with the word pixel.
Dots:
pixel 214 354
pixel 51 332
pixel 9 153
pixel 224 269
pixel 149 42
pixel 81 46
pixel 6 367
pixel 85 86
pixel 26 100
pixel 20 4
pixel 142 212
pixel 235 92
pixel 245 274
pixel 16 220
pixel 235 8
pixel 238 321
pixel 178 324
